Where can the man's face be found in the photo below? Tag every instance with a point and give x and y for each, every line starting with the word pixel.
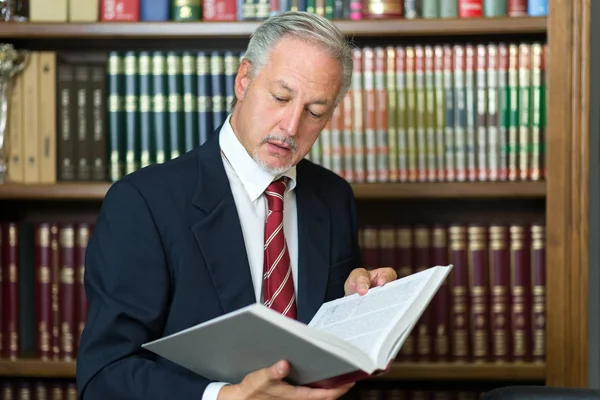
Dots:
pixel 281 113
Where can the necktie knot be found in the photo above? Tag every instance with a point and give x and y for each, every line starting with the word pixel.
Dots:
pixel 274 194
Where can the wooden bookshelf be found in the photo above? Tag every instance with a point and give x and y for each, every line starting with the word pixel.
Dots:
pixel 417 371
pixel 241 29
pixel 97 191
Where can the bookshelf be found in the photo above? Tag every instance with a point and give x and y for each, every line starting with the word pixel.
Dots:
pixel 563 195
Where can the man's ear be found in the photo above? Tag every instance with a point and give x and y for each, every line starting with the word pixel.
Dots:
pixel 242 80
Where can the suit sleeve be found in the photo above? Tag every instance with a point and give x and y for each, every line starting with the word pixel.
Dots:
pixel 127 283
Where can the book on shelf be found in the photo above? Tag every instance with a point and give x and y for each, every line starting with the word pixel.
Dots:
pixel 348 339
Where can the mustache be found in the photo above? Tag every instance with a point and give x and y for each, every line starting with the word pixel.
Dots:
pixel 281 138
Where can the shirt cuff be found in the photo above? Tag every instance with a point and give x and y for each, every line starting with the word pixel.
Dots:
pixel 212 390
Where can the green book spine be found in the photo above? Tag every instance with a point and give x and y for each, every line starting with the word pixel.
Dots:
pixel 411 115
pixel 493 102
pixel 358 127
pixel 392 114
pixel 329 9
pixel 422 149
pixel 175 104
pixel 481 114
pixel 116 120
pixel 132 158
pixel 503 110
pixel 159 106
pixel 537 108
pixel 449 114
pixel 401 119
pixel 190 101
pixel 439 110
pixel 431 8
pixel 186 10
pixel 524 163
pixel 513 111
pixel 494 8
pixel 460 113
pixel 448 8
pixel 471 112
pixel 145 106
pixel 311 6
pixel 430 115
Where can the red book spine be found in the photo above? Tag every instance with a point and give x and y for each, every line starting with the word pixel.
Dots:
pixel 10 292
pixel 347 151
pixel 67 291
pixel 55 281
pixel 538 260
pixel 83 234
pixel 401 120
pixel 479 288
pixel 500 300
pixel 405 267
pixel 521 293
pixel 370 248
pixel 470 8
pixel 517 8
pixel 387 247
pixel 424 325
pixel 441 343
pixel 43 290
pixel 336 124
pixel 221 10
pixel 119 10
pixel 460 301
pixel 381 116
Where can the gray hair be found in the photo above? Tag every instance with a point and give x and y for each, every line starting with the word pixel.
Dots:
pixel 305 26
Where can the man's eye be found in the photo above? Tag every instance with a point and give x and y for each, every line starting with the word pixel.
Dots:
pixel 278 99
pixel 312 114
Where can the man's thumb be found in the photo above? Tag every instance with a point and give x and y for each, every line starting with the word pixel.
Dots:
pixel 279 370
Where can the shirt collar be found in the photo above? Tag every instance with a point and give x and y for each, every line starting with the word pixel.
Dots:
pixel 253 177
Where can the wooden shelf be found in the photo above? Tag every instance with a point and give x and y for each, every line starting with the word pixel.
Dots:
pixel 464 372
pixel 37 368
pixel 97 191
pixel 425 371
pixel 242 29
pixel 449 190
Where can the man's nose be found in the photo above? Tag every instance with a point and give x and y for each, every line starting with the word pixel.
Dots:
pixel 291 119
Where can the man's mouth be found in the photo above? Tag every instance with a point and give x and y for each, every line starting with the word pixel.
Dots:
pixel 280 145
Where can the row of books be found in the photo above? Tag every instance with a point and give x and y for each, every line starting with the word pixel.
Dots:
pixel 413 114
pixel 491 308
pixel 238 10
pixel 38 389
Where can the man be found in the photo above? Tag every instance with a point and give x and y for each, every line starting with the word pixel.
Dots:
pixel 189 240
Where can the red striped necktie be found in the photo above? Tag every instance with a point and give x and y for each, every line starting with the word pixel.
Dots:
pixel 278 284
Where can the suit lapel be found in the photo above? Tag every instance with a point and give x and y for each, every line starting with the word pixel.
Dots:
pixel 313 252
pixel 219 233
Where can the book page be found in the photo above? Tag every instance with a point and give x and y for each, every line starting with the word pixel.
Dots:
pixel 364 320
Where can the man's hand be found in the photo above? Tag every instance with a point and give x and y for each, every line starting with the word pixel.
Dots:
pixel 267 384
pixel 360 280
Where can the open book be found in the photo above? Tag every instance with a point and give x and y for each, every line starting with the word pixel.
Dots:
pixel 348 339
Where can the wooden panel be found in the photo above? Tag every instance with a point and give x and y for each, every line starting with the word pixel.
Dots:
pixel 96 191
pixel 162 30
pixel 567 230
pixel 421 371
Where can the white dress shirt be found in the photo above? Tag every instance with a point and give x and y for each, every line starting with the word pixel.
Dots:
pixel 248 181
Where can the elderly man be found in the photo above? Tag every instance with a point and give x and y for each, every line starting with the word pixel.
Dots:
pixel 243 218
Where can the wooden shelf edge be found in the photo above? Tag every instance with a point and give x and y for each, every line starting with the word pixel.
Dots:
pixel 398 371
pixel 242 29
pixel 466 372
pixel 433 190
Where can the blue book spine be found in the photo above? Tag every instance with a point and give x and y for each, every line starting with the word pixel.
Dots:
pixel 537 8
pixel 155 10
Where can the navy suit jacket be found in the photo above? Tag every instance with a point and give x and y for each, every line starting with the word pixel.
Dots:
pixel 167 253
